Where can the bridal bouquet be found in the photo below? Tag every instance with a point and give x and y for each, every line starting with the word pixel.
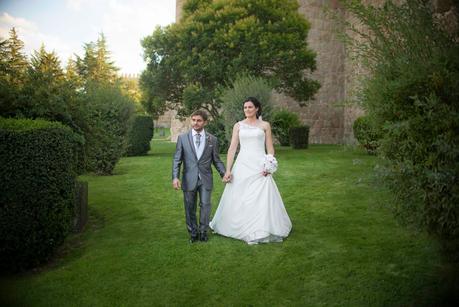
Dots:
pixel 269 164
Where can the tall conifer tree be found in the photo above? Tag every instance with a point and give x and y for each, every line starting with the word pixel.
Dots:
pixel 16 60
pixel 13 69
pixel 96 67
pixel 45 85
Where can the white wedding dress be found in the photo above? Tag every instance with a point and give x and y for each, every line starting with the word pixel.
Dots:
pixel 251 208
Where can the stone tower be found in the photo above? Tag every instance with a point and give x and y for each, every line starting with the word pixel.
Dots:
pixel 325 113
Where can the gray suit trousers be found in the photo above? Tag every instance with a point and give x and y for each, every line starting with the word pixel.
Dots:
pixel 190 199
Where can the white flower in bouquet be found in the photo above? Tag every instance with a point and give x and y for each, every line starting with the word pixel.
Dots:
pixel 269 164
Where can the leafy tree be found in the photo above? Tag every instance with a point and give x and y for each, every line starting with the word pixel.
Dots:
pixel 152 100
pixel 190 61
pixel 130 87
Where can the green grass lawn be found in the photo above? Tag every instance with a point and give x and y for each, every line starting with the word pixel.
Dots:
pixel 345 248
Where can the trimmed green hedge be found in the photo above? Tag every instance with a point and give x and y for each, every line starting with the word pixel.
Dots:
pixel 299 137
pixel 282 121
pixel 140 134
pixel 38 167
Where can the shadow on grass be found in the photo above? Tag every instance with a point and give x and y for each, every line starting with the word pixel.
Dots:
pixel 445 291
pixel 73 247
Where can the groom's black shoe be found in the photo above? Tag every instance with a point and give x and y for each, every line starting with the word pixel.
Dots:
pixel 194 238
pixel 203 237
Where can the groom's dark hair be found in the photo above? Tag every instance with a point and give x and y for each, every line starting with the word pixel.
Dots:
pixel 201 113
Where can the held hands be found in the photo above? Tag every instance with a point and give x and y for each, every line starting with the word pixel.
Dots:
pixel 176 184
pixel 227 177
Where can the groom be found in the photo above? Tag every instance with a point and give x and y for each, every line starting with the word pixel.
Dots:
pixel 197 150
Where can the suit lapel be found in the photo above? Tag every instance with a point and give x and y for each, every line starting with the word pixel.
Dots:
pixel 206 146
pixel 190 139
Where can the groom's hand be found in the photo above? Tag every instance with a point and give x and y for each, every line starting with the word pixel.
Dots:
pixel 176 184
pixel 227 177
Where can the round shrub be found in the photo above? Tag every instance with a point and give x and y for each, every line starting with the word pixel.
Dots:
pixel 366 134
pixel 282 121
pixel 299 137
pixel 38 167
pixel 233 97
pixel 140 134
pixel 107 112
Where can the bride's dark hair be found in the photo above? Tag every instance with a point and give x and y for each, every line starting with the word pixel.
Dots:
pixel 255 102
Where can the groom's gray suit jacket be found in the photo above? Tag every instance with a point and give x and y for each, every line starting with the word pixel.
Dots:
pixel 186 153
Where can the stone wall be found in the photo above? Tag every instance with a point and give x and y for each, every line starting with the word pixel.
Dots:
pixel 168 120
pixel 164 121
pixel 325 113
pixel 178 126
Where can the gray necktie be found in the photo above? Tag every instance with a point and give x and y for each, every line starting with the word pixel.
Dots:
pixel 198 140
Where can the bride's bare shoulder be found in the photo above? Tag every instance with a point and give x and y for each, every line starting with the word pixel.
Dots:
pixel 265 124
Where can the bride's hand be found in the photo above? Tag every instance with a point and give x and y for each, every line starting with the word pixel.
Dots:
pixel 227 177
pixel 265 173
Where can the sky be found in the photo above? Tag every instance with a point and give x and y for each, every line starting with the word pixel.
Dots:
pixel 65 26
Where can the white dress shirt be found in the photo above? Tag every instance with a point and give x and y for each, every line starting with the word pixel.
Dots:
pixel 199 150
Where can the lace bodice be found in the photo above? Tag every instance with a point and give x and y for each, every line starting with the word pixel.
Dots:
pixel 251 139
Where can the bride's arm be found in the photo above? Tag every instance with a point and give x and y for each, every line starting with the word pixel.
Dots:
pixel 269 139
pixel 232 148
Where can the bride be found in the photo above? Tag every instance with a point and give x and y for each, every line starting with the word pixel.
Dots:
pixel 251 208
